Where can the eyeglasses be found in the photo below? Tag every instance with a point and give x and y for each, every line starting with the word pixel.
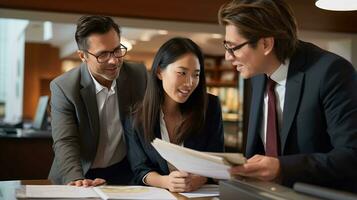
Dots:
pixel 233 49
pixel 103 57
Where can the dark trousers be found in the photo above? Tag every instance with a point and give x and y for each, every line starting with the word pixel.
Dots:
pixel 117 174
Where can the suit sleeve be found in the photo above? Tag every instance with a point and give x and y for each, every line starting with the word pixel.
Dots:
pixel 139 161
pixel 65 137
pixel 338 99
pixel 215 125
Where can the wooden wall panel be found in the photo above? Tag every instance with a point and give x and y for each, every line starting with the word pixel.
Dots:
pixel 42 64
pixel 308 15
pixel 181 10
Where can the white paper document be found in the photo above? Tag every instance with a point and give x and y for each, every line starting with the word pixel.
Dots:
pixel 208 190
pixel 196 162
pixel 133 192
pixel 101 192
pixel 58 191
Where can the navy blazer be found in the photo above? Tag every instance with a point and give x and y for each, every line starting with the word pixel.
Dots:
pixel 144 158
pixel 319 132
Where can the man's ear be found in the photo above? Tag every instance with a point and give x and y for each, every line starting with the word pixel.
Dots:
pixel 268 45
pixel 158 73
pixel 81 55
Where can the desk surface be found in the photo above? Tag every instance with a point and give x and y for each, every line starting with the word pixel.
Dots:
pixel 25 157
pixel 27 133
pixel 8 189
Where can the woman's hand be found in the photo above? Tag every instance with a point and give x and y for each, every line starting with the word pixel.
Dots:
pixel 178 181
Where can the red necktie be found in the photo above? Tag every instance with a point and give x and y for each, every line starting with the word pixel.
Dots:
pixel 272 122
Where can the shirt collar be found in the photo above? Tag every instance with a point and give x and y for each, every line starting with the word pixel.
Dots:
pixel 161 115
pixel 99 87
pixel 280 75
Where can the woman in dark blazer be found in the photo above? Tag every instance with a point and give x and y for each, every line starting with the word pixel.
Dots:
pixel 176 108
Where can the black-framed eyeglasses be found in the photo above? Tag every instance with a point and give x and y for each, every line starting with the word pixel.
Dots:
pixel 235 48
pixel 103 57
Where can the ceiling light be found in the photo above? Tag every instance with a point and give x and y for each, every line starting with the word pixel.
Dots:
pixel 147 35
pixel 47 30
pixel 216 36
pixel 337 5
pixel 162 32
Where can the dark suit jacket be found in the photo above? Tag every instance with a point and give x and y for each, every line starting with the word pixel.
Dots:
pixel 319 131
pixel 75 119
pixel 144 158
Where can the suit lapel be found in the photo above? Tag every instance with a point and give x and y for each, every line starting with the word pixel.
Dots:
pixel 293 91
pixel 89 98
pixel 123 92
pixel 162 162
pixel 255 116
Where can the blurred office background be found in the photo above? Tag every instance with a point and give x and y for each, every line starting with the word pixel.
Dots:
pixel 37 44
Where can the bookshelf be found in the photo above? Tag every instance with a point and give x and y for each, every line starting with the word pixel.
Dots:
pixel 223 81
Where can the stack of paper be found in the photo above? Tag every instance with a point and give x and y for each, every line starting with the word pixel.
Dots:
pixel 102 192
pixel 214 165
pixel 208 190
pixel 57 191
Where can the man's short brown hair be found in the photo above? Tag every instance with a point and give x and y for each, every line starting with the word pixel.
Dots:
pixel 257 19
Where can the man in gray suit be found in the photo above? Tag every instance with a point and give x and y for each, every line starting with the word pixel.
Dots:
pixel 88 104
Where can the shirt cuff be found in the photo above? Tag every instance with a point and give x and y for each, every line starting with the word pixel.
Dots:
pixel 143 180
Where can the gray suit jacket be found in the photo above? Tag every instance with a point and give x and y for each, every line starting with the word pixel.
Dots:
pixel 75 119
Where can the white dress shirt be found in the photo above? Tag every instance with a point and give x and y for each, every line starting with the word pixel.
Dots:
pixel 165 137
pixel 111 147
pixel 279 76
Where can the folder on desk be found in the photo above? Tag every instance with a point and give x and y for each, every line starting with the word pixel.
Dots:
pixel 213 165
pixel 133 192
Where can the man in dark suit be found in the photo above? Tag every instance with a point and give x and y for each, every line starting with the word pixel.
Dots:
pixel 303 115
pixel 87 105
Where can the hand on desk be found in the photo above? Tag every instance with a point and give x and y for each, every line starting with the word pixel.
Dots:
pixel 87 182
pixel 178 181
pixel 260 167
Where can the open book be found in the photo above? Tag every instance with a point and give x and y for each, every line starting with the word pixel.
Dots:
pixel 101 192
pixel 214 165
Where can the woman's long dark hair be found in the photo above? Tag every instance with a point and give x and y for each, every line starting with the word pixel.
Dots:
pixel 193 110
